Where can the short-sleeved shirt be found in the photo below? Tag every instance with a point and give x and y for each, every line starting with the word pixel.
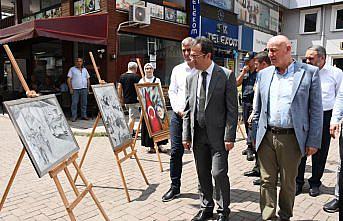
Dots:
pixel 128 81
pixel 79 79
pixel 248 87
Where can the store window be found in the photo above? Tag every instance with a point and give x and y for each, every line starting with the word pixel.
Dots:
pixel 47 74
pixel 310 21
pixel 7 8
pixel 337 18
pixel 164 54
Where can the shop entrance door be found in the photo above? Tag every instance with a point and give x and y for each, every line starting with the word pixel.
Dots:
pixel 338 62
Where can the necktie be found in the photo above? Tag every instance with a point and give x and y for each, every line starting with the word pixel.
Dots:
pixel 202 100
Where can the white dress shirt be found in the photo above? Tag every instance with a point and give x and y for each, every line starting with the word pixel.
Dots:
pixel 177 86
pixel 330 79
pixel 209 71
pixel 79 78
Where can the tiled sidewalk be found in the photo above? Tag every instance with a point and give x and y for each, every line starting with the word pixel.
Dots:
pixel 32 198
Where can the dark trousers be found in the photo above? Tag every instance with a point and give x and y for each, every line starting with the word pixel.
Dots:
pixel 247 109
pixel 176 150
pixel 211 161
pixel 340 180
pixel 79 95
pixel 318 159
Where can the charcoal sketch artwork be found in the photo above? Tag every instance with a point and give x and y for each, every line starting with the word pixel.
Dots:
pixel 112 115
pixel 43 128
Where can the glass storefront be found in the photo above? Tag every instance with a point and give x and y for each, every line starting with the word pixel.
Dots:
pixel 164 54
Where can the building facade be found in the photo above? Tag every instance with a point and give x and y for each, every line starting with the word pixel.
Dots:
pixel 315 22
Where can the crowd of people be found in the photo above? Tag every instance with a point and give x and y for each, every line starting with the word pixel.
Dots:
pixel 291 110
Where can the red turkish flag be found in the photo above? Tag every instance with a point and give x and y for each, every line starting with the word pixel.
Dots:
pixel 153 117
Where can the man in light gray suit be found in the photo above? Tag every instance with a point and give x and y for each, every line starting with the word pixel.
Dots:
pixel 209 123
pixel 290 120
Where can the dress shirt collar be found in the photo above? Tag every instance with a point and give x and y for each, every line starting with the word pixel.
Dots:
pixel 209 70
pixel 290 69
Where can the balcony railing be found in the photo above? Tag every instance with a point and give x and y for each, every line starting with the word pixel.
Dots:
pixel 7 22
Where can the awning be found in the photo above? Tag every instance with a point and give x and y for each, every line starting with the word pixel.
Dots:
pixel 87 28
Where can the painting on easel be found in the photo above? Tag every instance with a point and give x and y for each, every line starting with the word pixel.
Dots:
pixel 44 131
pixel 112 115
pixel 153 108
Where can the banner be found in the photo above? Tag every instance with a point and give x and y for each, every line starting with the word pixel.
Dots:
pixel 222 34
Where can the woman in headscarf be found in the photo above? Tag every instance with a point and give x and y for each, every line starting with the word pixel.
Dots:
pixel 146 140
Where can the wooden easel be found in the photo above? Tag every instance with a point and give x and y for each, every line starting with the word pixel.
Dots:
pixel 123 149
pixel 239 127
pixel 55 171
pixel 156 138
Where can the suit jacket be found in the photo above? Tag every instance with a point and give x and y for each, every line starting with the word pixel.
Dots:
pixel 221 108
pixel 306 107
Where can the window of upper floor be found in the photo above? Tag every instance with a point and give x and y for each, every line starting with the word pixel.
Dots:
pixel 7 8
pixel 310 21
pixel 336 18
pixel 86 6
pixel 168 10
pixel 38 9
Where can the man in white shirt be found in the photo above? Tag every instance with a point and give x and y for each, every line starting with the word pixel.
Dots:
pixel 331 78
pixel 78 83
pixel 177 99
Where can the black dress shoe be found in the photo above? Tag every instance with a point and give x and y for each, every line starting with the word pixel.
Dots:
pixel 250 155
pixel 332 206
pixel 314 191
pixel 252 173
pixel 257 182
pixel 170 195
pixel 203 215
pixel 298 189
pixel 222 217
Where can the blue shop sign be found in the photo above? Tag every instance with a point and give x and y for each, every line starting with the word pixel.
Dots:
pixel 222 34
pixel 194 29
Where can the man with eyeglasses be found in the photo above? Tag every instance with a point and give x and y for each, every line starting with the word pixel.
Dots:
pixel 331 78
pixel 176 94
pixel 209 126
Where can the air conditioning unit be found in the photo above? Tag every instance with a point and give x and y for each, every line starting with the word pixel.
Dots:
pixel 139 14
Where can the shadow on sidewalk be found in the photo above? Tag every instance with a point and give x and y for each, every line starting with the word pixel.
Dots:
pixel 240 196
pixel 146 193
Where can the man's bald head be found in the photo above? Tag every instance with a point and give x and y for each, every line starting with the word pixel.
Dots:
pixel 280 48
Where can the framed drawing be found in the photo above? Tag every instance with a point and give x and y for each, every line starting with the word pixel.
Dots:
pixel 112 115
pixel 153 108
pixel 44 131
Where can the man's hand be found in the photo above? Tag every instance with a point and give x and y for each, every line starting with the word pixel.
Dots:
pixel 180 113
pixel 71 91
pixel 102 82
pixel 334 129
pixel 31 94
pixel 310 150
pixel 229 146
pixel 245 69
pixel 186 145
pixel 250 118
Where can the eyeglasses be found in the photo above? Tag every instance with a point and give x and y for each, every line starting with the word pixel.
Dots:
pixel 147 68
pixel 184 50
pixel 193 56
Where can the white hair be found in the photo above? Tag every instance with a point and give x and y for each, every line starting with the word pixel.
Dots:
pixel 132 65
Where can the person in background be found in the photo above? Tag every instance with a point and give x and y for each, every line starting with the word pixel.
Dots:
pixel 330 79
pixel 335 129
pixel 290 120
pixel 146 140
pixel 78 83
pixel 176 93
pixel 247 79
pixel 127 93
pixel 262 61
